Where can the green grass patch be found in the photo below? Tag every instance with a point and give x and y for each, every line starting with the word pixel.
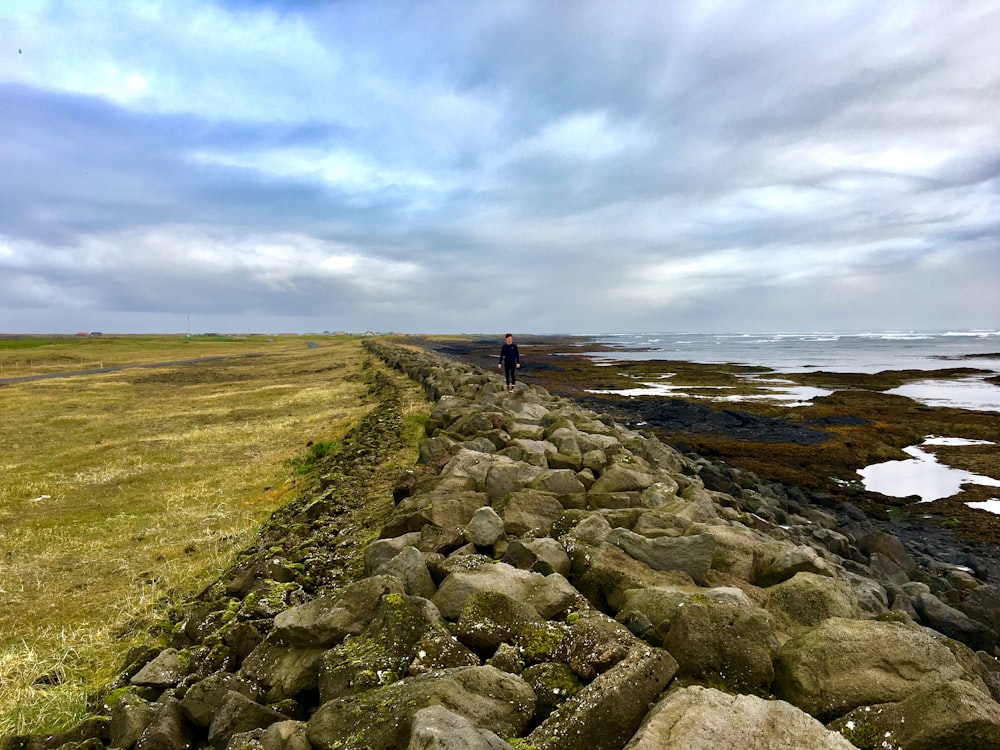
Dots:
pixel 125 492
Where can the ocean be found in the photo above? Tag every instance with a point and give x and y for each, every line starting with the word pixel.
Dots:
pixel 867 352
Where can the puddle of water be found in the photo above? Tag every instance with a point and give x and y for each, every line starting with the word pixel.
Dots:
pixel 967 393
pixel 992 505
pixel 786 392
pixel 923 475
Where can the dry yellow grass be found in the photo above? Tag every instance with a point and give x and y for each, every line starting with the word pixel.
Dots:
pixel 122 491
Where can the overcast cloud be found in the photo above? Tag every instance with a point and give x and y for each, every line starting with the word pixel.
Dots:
pixel 499 165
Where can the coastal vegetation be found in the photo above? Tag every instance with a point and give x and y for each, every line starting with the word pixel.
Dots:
pixel 125 491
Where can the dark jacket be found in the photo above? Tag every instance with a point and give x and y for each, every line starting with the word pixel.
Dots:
pixel 509 355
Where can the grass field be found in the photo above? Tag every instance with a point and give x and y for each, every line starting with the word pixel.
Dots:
pixel 121 492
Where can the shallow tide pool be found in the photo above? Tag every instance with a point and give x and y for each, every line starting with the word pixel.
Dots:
pixel 926 477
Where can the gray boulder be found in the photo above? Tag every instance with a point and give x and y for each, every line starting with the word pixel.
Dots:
pixel 691 554
pixel 955 624
pixel 202 700
pixel 608 711
pixel 547 594
pixel 791 560
pixel 700 718
pixel 485 527
pixel 411 570
pixel 237 714
pixel 438 728
pixel 326 620
pixel 806 599
pixel 723 643
pixel 130 717
pixel 544 555
pixel 497 701
pixel 164 671
pixel 529 512
pixel 619 478
pixel 842 664
pixel 952 715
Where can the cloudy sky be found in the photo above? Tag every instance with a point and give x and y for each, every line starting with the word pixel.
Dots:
pixel 529 165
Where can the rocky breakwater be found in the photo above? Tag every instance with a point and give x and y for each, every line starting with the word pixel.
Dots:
pixel 547 579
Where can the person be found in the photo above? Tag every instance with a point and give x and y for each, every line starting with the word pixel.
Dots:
pixel 510 360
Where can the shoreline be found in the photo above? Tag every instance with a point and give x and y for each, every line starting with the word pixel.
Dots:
pixel 861 421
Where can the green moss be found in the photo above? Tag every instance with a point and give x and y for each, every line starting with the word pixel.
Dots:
pixel 892 615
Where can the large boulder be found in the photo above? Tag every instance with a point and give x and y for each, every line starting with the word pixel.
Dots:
pixel 438 728
pixel 326 620
pixel 447 510
pixel 691 554
pixel 700 718
pixel 547 594
pixel 842 664
pixel 953 623
pixel 806 599
pixel 953 715
pixel 529 512
pixel 723 643
pixel 404 630
pixel 497 701
pixel 604 714
pixel 604 573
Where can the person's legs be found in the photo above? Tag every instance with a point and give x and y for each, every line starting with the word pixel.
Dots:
pixel 509 376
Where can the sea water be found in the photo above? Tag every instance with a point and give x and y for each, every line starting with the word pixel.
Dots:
pixel 864 352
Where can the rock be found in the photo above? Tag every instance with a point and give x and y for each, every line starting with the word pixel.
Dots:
pixel 544 555
pixel 202 700
pixel 410 569
pixel 164 671
pixel 399 631
pixel 444 509
pixel 236 714
pixel 691 554
pixel 552 683
pixel 282 671
pixel 657 605
pixel 382 551
pixel 603 574
pixel 842 664
pixel 326 620
pixel 806 599
pixel 130 717
pixel 594 643
pixel 485 527
pixel 951 715
pixel 558 482
pixel 983 605
pixel 437 728
pixel 529 512
pixel 168 730
pixel 725 644
pixel 510 476
pixel 608 711
pixel 700 718
pixel 519 585
pixel 791 560
pixel 285 735
pixel 619 478
pixel 490 699
pixel 491 618
pixel 889 547
pixel 954 624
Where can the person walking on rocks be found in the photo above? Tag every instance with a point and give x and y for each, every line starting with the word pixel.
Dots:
pixel 510 360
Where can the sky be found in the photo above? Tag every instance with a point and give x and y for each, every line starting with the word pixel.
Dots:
pixel 475 166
